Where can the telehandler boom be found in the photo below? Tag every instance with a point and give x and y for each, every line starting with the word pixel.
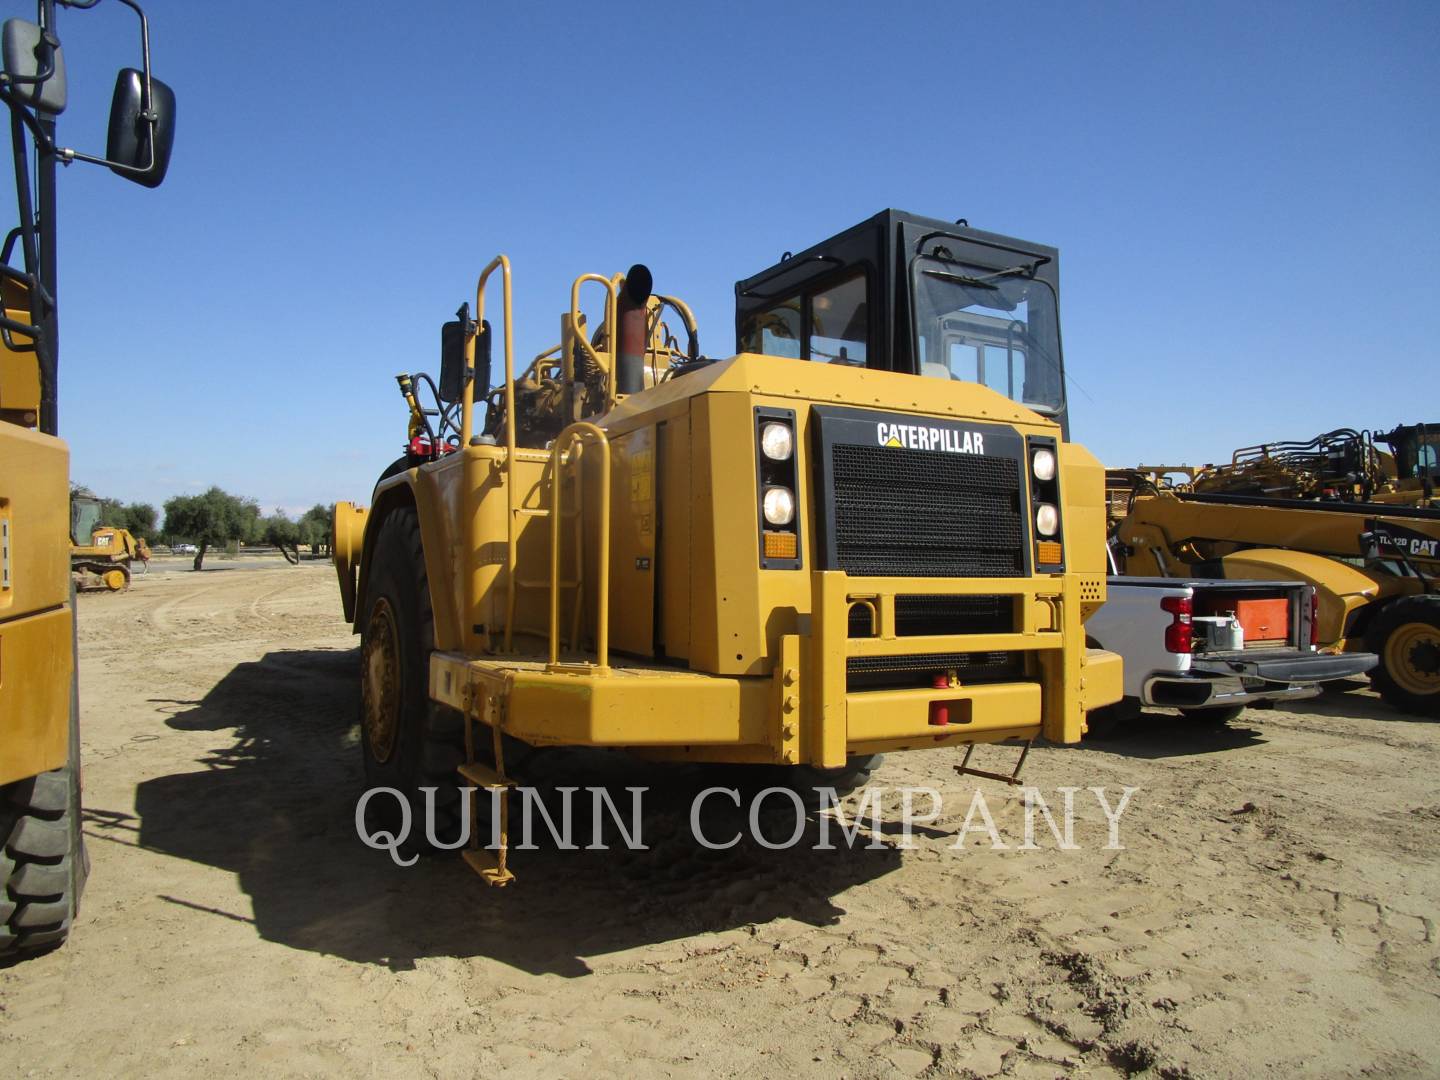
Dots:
pixel 864 532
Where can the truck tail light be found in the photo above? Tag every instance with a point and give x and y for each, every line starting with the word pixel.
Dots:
pixel 1179 635
pixel 1314 617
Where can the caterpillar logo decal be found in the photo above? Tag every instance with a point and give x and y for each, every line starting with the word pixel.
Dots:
pixel 920 437
pixel 1394 539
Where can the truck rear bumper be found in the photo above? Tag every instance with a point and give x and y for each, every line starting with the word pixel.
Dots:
pixel 1239 678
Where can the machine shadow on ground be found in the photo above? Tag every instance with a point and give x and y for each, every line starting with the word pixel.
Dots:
pixel 277 808
pixel 1154 735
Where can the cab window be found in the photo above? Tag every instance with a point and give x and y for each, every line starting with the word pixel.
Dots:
pixel 775 332
pixel 831 325
pixel 839 323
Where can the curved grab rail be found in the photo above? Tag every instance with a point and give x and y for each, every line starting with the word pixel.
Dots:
pixel 579 434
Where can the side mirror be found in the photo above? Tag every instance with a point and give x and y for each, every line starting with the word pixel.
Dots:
pixel 452 360
pixel 138 146
pixel 35 65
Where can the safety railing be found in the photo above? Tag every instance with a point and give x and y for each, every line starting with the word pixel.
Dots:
pixel 578 435
pixel 467 431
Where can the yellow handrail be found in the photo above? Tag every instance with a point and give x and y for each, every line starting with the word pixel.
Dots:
pixel 578 434
pixel 612 310
pixel 467 410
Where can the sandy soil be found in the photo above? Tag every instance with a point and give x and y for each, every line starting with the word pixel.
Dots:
pixel 1272 910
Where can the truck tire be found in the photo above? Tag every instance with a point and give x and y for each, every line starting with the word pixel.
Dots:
pixel 807 780
pixel 1214 714
pixel 408 741
pixel 1406 637
pixel 42 857
pixel 1105 722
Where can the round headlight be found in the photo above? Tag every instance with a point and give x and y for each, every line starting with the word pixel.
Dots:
pixel 776 442
pixel 1044 464
pixel 1047 519
pixel 778 506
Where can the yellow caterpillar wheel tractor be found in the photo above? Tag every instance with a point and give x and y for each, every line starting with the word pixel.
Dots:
pixel 865 532
pixel 107 561
pixel 42 858
pixel 1374 561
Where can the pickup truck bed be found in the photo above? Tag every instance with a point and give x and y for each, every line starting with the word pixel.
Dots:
pixel 1176 657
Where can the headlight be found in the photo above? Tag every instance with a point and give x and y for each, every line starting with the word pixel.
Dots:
pixel 776 442
pixel 1044 464
pixel 778 506
pixel 1047 519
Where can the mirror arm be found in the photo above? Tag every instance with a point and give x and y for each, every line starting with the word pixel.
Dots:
pixel 66 156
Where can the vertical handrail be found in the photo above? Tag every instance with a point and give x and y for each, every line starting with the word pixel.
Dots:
pixel 578 434
pixel 612 313
pixel 467 421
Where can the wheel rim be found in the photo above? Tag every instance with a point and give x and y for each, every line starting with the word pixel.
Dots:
pixel 380 694
pixel 1412 656
pixel 115 580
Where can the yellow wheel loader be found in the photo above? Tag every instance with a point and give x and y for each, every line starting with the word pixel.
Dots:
pixel 864 532
pixel 42 858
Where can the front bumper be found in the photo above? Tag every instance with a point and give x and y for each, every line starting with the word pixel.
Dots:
pixel 806 711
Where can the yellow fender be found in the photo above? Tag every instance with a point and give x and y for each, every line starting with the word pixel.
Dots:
pixel 347 542
pixel 1340 589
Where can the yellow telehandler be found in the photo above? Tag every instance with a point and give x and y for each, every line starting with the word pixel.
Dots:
pixel 864 532
pixel 1357 523
pixel 42 857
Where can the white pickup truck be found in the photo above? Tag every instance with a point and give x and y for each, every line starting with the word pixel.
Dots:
pixel 1210 647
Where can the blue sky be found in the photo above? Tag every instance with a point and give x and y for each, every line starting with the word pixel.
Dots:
pixel 1244 197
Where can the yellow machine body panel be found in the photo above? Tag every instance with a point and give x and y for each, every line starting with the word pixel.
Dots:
pixel 36 659
pixel 1341 590
pixel 714 657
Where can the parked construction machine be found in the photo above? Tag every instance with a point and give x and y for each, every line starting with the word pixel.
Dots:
pixel 107 556
pixel 865 532
pixel 1358 524
pixel 42 860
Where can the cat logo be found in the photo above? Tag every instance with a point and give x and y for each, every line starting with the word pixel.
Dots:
pixel 919 437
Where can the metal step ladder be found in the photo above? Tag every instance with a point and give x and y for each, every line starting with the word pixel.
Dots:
pixel 490 865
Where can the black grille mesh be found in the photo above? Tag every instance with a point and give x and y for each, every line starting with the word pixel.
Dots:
pixel 917 616
pixel 926 513
pixel 923 615
pixel 876 672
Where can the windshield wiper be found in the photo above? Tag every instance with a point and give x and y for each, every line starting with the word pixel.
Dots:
pixel 962 279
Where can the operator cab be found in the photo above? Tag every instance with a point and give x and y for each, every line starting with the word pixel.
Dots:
pixel 921 296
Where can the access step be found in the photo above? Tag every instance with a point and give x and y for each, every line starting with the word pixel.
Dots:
pixel 484 776
pixel 487 866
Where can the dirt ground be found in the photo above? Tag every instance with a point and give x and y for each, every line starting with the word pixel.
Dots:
pixel 1272 909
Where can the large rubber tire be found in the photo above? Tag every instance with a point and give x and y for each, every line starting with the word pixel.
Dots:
pixel 1406 637
pixel 1214 714
pixel 43 862
pixel 1106 722
pixel 408 741
pixel 808 779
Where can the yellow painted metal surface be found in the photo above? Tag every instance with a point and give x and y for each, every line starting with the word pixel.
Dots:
pixel 711 657
pixel 36 651
pixel 36 666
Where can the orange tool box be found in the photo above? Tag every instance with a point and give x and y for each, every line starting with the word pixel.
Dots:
pixel 1262 620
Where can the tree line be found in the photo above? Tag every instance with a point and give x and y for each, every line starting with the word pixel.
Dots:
pixel 215 518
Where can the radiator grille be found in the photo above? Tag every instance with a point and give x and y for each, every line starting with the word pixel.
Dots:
pixel 923 615
pixel 874 672
pixel 926 513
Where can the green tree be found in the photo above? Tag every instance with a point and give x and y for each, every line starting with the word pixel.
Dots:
pixel 140 519
pixel 280 531
pixel 315 526
pixel 213 518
